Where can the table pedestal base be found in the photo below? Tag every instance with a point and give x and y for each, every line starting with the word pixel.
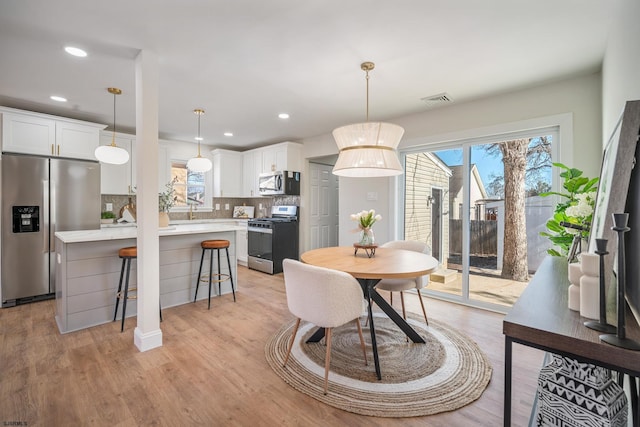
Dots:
pixel 371 294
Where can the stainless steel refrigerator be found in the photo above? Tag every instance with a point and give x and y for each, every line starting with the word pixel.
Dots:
pixel 40 196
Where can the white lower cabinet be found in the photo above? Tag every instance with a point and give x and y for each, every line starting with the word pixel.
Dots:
pixel 242 244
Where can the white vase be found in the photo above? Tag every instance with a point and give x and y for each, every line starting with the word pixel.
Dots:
pixel 590 264
pixel 163 219
pixel 590 297
pixel 590 286
pixel 575 272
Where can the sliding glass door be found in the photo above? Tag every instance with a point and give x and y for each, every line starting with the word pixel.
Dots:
pixel 477 204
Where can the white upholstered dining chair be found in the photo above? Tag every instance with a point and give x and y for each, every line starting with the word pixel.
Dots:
pixel 401 285
pixel 324 297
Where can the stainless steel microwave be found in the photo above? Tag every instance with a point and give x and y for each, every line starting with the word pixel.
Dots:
pixel 279 182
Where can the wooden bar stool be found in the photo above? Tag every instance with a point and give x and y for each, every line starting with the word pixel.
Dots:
pixel 214 245
pixel 127 254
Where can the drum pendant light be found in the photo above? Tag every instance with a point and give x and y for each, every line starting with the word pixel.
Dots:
pixel 199 164
pixel 111 153
pixel 368 149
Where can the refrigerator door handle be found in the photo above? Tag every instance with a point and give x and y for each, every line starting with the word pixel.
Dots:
pixel 45 217
pixel 53 220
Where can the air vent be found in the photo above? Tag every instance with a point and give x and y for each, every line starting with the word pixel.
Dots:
pixel 435 100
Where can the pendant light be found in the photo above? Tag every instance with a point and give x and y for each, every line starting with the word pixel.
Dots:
pixel 368 149
pixel 199 164
pixel 111 153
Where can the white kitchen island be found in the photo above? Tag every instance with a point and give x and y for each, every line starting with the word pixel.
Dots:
pixel 88 270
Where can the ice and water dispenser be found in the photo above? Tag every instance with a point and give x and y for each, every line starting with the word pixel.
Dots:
pixel 26 219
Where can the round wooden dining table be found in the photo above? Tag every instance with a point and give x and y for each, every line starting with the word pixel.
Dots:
pixel 387 263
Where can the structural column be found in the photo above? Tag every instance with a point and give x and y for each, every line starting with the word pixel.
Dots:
pixel 147 334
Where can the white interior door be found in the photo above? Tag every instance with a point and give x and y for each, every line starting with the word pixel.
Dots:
pixel 323 222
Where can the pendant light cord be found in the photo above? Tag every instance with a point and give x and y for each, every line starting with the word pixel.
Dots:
pixel 367 80
pixel 366 67
pixel 113 139
pixel 199 134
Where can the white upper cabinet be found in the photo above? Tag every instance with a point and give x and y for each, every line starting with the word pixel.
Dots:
pixel 269 160
pixel 227 173
pixel 118 179
pixel 285 156
pixel 121 179
pixel 33 133
pixel 76 140
pixel 251 168
pixel 28 134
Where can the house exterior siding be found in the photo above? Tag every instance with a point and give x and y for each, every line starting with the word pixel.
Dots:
pixel 421 176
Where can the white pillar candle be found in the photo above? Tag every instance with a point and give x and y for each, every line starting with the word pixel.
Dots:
pixel 590 297
pixel 590 264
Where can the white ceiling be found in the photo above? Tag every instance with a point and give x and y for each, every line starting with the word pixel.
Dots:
pixel 245 61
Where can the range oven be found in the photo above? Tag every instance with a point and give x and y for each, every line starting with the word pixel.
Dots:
pixel 273 239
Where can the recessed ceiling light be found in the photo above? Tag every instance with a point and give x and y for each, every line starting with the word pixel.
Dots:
pixel 283 115
pixel 228 134
pixel 75 51
pixel 58 98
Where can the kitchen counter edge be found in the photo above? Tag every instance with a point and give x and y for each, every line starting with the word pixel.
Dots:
pixel 131 232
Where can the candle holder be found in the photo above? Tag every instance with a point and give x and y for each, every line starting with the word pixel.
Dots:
pixel 620 339
pixel 601 325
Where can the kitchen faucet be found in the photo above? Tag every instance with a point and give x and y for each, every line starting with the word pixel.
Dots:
pixel 191 215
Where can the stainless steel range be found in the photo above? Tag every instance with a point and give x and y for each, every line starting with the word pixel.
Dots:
pixel 273 239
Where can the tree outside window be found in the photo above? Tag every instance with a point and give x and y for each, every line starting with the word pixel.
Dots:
pixel 189 187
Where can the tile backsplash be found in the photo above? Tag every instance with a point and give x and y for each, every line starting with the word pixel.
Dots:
pixel 120 201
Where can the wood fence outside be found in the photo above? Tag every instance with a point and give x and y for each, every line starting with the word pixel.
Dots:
pixel 484 237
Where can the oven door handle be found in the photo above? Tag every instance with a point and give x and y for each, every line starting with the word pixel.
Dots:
pixel 260 230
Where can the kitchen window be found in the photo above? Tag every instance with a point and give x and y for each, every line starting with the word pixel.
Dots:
pixel 190 187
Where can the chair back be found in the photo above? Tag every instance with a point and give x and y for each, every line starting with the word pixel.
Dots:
pixel 324 297
pixel 411 245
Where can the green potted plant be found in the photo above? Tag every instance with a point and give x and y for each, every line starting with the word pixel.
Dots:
pixel 574 209
pixel 166 200
pixel 107 217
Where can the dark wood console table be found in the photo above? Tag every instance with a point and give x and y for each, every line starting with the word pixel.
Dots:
pixel 541 319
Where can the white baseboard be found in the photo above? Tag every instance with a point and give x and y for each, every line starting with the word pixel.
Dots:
pixel 147 341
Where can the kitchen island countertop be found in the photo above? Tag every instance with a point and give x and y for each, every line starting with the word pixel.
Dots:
pixel 114 233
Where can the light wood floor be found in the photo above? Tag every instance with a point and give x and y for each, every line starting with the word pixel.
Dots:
pixel 211 369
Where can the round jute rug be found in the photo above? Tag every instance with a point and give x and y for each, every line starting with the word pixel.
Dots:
pixel 446 373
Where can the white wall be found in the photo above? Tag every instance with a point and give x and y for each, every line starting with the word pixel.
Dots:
pixel 621 66
pixel 580 97
pixel 360 196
